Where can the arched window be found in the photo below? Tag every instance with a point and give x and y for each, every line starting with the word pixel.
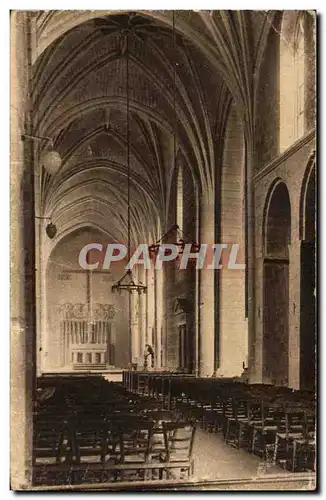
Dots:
pixel 292 78
pixel 179 201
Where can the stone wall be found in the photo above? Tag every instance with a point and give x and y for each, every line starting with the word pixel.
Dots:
pixel 290 167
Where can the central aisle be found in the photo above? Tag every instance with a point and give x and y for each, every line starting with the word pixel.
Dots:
pixel 214 459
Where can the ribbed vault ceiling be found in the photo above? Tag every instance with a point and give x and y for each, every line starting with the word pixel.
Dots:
pixel 79 92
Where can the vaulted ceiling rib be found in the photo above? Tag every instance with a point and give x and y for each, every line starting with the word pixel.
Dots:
pixel 81 76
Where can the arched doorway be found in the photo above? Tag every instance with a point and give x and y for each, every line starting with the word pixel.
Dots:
pixel 308 283
pixel 276 286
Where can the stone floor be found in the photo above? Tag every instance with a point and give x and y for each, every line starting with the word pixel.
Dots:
pixel 214 459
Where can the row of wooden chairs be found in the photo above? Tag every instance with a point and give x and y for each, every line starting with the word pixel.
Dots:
pixel 121 451
pixel 279 432
pixel 276 423
pixel 90 432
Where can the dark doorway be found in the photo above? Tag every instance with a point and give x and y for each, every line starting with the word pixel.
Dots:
pixel 186 349
pixel 276 320
pixel 276 288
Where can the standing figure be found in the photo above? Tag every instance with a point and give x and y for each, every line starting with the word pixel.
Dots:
pixel 149 351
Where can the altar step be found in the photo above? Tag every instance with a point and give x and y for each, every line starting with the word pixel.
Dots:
pixel 90 366
pixel 110 373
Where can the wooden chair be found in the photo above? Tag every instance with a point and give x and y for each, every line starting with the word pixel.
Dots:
pixel 91 451
pixel 263 431
pixel 158 443
pixel 304 454
pixel 179 441
pixel 245 425
pixel 214 415
pixel 295 440
pixel 234 421
pixel 135 439
pixel 52 452
pixel 304 448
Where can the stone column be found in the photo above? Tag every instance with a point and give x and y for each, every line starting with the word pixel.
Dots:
pixel 294 315
pixel 165 321
pixel 254 221
pixel 22 258
pixel 256 366
pixel 159 315
pixel 42 304
pixel 38 288
pixel 134 327
pixel 150 306
pixel 207 291
pixel 141 318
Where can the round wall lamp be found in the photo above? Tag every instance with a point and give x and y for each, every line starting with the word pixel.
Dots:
pixel 51 160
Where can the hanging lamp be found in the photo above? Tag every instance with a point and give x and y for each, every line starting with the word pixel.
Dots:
pixel 51 159
pixel 174 230
pixel 179 241
pixel 128 282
